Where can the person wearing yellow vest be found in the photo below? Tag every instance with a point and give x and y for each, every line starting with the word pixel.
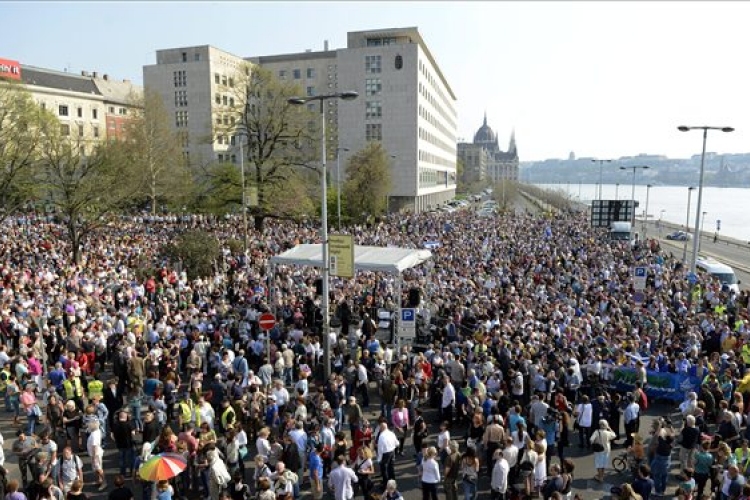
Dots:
pixel 228 416
pixel 74 391
pixel 745 353
pixel 4 377
pixel 186 412
pixel 96 389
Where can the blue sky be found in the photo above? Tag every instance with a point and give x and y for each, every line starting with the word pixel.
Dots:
pixel 602 79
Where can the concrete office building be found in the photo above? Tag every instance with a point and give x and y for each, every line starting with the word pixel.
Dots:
pixel 91 107
pixel 198 84
pixel 404 101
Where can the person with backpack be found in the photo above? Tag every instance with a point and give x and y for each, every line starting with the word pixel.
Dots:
pixel 470 473
pixel 70 470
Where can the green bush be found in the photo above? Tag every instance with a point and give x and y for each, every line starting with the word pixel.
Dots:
pixel 197 250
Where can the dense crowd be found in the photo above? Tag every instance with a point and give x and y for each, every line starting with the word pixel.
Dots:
pixel 525 320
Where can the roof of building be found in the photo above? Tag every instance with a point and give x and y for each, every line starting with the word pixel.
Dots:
pixel 297 56
pixel 59 80
pixel 485 134
pixel 118 91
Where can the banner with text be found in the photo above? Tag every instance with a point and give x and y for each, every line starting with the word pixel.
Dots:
pixel 672 386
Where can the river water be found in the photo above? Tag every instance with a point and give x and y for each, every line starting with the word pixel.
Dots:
pixel 670 203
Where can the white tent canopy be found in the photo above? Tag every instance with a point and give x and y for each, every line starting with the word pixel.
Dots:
pixel 384 259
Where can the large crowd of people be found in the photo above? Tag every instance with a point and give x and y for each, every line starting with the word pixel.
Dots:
pixel 525 320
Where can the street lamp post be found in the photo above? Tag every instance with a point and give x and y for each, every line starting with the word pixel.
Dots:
pixel 244 197
pixel 617 191
pixel 299 101
pixel 632 192
pixel 601 164
pixel 687 225
pixel 645 215
pixel 338 183
pixel 661 216
pixel 703 221
pixel 697 235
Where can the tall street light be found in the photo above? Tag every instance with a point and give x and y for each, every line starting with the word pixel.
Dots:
pixel 338 182
pixel 632 192
pixel 687 225
pixel 697 235
pixel 617 191
pixel 299 101
pixel 244 193
pixel 703 221
pixel 645 214
pixel 601 164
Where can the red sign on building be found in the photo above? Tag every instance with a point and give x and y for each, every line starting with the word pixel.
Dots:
pixel 10 69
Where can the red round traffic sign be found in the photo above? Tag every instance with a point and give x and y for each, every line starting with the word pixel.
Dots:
pixel 267 321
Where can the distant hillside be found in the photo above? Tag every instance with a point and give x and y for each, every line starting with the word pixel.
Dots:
pixel 721 170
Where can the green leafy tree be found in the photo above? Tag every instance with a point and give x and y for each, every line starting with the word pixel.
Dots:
pixel 197 251
pixel 85 182
pixel 279 139
pixel 368 181
pixel 22 125
pixel 154 152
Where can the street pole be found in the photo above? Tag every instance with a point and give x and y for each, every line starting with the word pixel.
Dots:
pixel 617 191
pixel 601 176
pixel 244 201
pixel 325 270
pixel 632 191
pixel 687 225
pixel 698 228
pixel 703 221
pixel 338 183
pixel 645 215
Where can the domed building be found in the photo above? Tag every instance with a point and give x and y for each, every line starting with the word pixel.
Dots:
pixel 483 159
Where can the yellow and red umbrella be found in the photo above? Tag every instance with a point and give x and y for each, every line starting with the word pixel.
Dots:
pixel 162 467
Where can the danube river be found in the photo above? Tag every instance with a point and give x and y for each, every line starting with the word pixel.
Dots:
pixel 670 203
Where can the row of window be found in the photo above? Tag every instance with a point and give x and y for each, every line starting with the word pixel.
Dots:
pixel 223 80
pixel 432 120
pixel 180 98
pixel 432 139
pixel 180 78
pixel 297 73
pixel 434 84
pixel 378 42
pixel 427 157
pixel 225 119
pixel 64 110
pixel 373 86
pixel 227 158
pixel 181 119
pixel 65 130
pixel 373 64
pixel 431 178
pixel 226 140
pixel 374 131
pixel 429 97
pixel 224 99
pixel 373 110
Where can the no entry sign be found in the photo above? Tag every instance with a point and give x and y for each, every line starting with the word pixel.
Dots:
pixel 267 321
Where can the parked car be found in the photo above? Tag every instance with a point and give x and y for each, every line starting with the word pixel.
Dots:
pixel 679 236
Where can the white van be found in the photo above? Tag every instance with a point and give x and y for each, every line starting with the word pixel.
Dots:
pixel 722 272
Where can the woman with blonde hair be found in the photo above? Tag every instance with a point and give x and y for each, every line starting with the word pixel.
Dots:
pixel 364 469
pixel 430 475
pixel 400 421
pixel 262 445
pixel 264 489
pixel 627 493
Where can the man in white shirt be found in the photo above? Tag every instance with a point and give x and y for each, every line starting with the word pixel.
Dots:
pixel 387 444
pixel 282 395
pixel 499 482
pixel 449 400
pixel 341 479
pixel 362 384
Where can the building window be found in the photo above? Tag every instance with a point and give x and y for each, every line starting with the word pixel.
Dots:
pixel 374 132
pixel 80 130
pixel 112 110
pixel 282 74
pixel 184 57
pixel 43 105
pixel 297 74
pixel 221 158
pixel 224 80
pixel 310 91
pixel 399 63
pixel 181 118
pixel 373 86
pixel 123 111
pixel 96 132
pixel 224 100
pixel 233 140
pixel 180 98
pixel 197 56
pixel 79 112
pixel 180 78
pixel 311 72
pixel 373 109
pixel 95 114
pixel 311 107
pixel 65 129
pixel 62 110
pixel 231 101
pixel 231 82
pixel 217 99
pixel 217 78
pixel 373 64
pixel 234 158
